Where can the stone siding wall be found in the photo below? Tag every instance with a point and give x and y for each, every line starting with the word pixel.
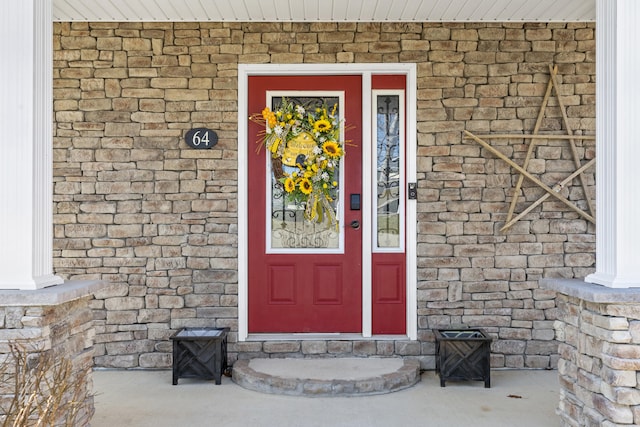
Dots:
pixel 600 360
pixel 135 206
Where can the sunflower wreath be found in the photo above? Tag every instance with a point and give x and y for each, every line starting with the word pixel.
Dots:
pixel 306 150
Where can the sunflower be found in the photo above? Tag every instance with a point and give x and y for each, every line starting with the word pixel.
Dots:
pixel 305 186
pixel 321 125
pixel 289 185
pixel 332 149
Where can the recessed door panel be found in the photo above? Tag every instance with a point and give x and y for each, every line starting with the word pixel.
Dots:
pixel 282 286
pixel 327 284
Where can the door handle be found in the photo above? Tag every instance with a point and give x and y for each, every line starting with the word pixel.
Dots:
pixel 355 224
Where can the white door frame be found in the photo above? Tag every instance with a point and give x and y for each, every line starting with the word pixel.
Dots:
pixel 366 71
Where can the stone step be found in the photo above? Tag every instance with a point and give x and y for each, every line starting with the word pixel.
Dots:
pixel 327 377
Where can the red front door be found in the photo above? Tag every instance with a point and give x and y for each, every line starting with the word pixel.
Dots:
pixel 305 277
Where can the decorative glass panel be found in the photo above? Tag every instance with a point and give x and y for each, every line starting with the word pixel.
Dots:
pixel 388 172
pixel 289 228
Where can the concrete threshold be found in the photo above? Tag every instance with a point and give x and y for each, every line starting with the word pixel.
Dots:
pixel 327 377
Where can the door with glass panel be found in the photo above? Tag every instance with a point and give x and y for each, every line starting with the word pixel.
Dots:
pixel 313 219
pixel 305 189
pixel 388 196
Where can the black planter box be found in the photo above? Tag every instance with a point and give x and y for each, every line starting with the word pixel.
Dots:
pixel 200 353
pixel 463 354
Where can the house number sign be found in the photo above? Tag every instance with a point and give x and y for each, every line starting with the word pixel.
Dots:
pixel 201 138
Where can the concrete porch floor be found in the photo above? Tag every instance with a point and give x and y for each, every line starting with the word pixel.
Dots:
pixel 520 398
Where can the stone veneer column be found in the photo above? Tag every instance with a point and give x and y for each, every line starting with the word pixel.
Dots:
pixel 57 321
pixel 617 149
pixel 599 328
pixel 26 159
pixel 599 353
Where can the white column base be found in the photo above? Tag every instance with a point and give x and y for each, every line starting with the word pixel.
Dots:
pixel 35 283
pixel 612 281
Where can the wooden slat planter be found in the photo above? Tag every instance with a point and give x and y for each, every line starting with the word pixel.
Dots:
pixel 200 353
pixel 463 354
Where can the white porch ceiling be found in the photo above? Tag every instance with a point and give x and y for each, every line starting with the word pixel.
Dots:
pixel 325 10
